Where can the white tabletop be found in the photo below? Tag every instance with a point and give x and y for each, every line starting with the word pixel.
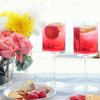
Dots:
pixel 18 79
pixel 71 82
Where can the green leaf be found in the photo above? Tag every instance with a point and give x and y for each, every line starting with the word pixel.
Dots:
pixel 27 61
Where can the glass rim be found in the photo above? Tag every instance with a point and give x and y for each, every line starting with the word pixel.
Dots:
pixel 54 23
pixel 84 25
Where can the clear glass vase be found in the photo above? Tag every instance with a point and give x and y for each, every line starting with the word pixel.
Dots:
pixel 6 71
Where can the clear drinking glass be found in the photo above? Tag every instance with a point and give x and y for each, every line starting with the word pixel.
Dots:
pixel 6 71
pixel 54 42
pixel 85 44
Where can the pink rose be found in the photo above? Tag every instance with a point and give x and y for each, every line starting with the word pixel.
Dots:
pixel 26 46
pixel 7 47
pixel 23 44
pixel 10 43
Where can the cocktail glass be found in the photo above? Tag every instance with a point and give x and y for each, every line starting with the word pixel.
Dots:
pixel 85 44
pixel 54 42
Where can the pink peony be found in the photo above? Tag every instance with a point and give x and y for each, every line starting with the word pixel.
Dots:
pixel 12 42
pixel 7 47
pixel 23 44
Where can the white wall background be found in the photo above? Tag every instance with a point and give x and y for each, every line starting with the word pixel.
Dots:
pixel 63 10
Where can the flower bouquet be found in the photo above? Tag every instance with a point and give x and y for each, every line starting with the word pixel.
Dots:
pixel 15 29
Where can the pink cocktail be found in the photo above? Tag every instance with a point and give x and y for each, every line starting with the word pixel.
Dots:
pixel 86 39
pixel 86 44
pixel 54 37
pixel 53 41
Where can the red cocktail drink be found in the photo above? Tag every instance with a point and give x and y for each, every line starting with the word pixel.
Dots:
pixel 54 37
pixel 86 39
pixel 86 44
pixel 53 41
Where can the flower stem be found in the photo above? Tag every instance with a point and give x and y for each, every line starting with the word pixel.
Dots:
pixel 2 72
pixel 7 68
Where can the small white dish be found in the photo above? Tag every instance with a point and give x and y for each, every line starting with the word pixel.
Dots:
pixel 68 97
